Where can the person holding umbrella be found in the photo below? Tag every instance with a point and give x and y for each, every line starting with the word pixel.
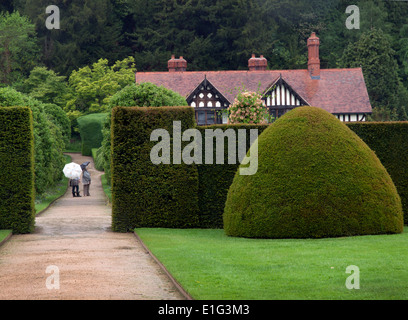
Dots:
pixel 73 172
pixel 86 178
pixel 74 183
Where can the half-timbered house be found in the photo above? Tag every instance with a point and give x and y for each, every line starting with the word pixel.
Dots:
pixel 341 92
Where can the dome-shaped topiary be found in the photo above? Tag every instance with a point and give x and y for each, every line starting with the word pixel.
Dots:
pixel 316 178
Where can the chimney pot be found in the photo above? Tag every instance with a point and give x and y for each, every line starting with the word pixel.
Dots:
pixel 257 64
pixel 177 65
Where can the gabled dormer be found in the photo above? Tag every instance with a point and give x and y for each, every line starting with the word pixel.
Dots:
pixel 208 103
pixel 280 97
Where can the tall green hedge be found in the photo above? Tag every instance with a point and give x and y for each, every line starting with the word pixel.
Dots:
pixel 215 179
pixel 389 140
pixel 146 194
pixel 90 128
pixel 49 137
pixel 17 209
pixel 135 95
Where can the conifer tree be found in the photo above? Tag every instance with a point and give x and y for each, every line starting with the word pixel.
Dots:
pixel 374 54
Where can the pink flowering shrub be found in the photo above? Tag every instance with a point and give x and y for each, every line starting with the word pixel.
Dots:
pixel 248 107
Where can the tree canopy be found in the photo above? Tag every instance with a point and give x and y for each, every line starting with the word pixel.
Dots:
pixel 210 35
pixel 93 86
pixel 18 47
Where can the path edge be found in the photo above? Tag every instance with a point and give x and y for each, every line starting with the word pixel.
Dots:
pixel 37 214
pixel 183 292
pixel 6 238
pixel 52 202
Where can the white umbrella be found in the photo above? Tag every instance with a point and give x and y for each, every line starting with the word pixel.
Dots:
pixel 72 170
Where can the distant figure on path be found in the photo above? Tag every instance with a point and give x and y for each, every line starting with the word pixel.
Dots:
pixel 74 183
pixel 86 181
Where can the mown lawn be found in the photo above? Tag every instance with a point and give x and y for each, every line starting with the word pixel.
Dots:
pixel 210 265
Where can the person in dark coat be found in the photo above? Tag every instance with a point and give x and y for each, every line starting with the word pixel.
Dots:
pixel 74 183
pixel 86 181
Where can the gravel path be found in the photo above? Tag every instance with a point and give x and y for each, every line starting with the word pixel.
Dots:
pixel 74 247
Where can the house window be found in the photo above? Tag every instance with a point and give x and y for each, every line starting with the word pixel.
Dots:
pixel 208 117
pixel 201 117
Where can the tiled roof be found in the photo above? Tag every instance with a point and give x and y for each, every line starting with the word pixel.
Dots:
pixel 337 90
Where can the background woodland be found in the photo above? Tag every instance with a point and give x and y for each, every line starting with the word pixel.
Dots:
pixel 102 43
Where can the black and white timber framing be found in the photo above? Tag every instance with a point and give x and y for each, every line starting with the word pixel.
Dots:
pixel 210 104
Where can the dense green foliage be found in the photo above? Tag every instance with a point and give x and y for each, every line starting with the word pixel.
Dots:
pixel 95 85
pixel 90 127
pixel 140 95
pixel 49 139
pixel 97 163
pixel 57 116
pixel 90 30
pixel 19 50
pixel 91 87
pixel 373 52
pixel 389 140
pixel 46 86
pixel 146 95
pixel 146 194
pixel 316 178
pixel 215 179
pixel 17 170
pixel 210 35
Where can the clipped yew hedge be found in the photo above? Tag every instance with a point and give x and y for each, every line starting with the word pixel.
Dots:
pixel 49 136
pixel 145 194
pixel 17 211
pixel 389 140
pixel 143 190
pixel 215 179
pixel 316 178
pixel 144 94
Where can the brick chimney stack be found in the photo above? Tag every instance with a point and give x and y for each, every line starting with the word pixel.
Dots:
pixel 256 64
pixel 313 64
pixel 177 65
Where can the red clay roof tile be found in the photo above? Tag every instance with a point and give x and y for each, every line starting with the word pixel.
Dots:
pixel 337 91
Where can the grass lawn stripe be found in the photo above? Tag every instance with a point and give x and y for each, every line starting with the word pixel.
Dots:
pixel 210 265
